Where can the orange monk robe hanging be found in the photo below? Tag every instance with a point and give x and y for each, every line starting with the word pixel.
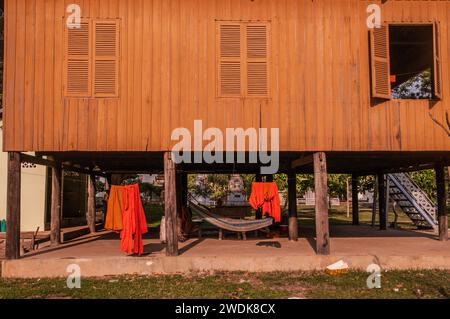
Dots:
pixel 115 208
pixel 134 222
pixel 266 197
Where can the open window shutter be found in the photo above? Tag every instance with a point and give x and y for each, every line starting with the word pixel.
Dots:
pixel 229 60
pixel 106 58
pixel 77 60
pixel 437 62
pixel 379 46
pixel 257 59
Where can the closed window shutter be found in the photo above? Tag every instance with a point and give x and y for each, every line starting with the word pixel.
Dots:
pixel 380 64
pixel 106 58
pixel 229 60
pixel 77 60
pixel 437 62
pixel 257 59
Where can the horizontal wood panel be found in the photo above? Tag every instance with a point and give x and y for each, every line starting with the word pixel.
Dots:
pixel 318 77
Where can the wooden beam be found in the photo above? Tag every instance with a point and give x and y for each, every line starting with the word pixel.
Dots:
pixel 355 201
pixel 292 198
pixel 91 211
pixel 441 202
pixel 25 158
pixel 321 195
pixel 303 161
pixel 82 170
pixel 55 215
pixel 382 202
pixel 170 209
pixel 12 250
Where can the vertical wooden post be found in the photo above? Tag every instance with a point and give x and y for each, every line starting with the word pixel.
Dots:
pixel 55 223
pixel 382 202
pixel 355 202
pixel 91 211
pixel 441 202
pixel 12 250
pixel 184 205
pixel 375 199
pixel 182 209
pixel 170 209
pixel 321 194
pixel 387 199
pixel 292 198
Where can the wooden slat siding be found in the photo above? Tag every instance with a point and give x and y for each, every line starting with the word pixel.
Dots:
pixel 40 76
pixel 19 112
pixel 9 72
pixel 301 33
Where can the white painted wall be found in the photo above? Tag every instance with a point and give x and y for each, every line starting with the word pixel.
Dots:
pixel 32 193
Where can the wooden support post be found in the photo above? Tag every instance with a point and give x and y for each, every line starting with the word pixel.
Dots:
pixel 182 208
pixel 55 223
pixel 441 202
pixel 91 211
pixel 187 218
pixel 375 199
pixel 355 202
pixel 386 199
pixel 292 198
pixel 382 202
pixel 321 194
pixel 170 209
pixel 12 250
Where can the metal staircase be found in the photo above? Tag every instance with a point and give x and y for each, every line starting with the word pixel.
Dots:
pixel 412 200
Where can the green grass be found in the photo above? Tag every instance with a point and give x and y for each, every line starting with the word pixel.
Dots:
pixel 338 216
pixel 395 284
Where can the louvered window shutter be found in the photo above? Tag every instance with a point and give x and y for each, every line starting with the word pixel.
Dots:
pixel 380 64
pixel 77 61
pixel 229 60
pixel 437 62
pixel 257 59
pixel 106 58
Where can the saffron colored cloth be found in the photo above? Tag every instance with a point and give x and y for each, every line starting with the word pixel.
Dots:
pixel 115 208
pixel 266 197
pixel 134 221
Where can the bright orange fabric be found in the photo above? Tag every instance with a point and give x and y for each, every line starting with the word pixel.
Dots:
pixel 266 197
pixel 115 209
pixel 134 221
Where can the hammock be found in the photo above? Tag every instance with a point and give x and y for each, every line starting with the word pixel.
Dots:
pixel 234 225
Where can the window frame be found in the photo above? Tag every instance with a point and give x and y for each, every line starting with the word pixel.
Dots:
pixel 436 40
pixel 92 58
pixel 243 58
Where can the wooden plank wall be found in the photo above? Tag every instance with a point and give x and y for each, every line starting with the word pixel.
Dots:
pixel 319 77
